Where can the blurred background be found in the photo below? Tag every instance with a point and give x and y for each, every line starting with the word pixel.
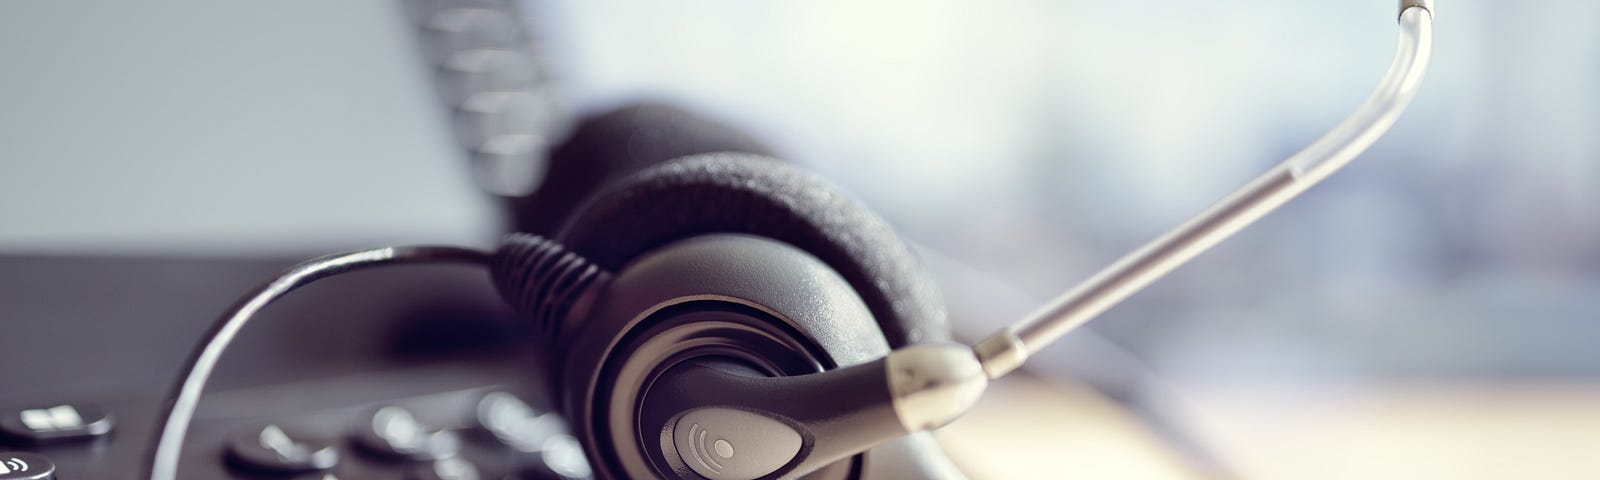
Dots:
pixel 1429 312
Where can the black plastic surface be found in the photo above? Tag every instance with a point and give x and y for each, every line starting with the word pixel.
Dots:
pixel 111 332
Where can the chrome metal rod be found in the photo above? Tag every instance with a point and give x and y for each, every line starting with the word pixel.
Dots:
pixel 1007 349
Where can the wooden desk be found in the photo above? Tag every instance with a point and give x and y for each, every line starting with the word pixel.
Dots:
pixel 1026 428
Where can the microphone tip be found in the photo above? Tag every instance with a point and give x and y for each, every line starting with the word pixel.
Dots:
pixel 932 384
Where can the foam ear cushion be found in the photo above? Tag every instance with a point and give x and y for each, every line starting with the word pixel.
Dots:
pixel 756 195
pixel 611 146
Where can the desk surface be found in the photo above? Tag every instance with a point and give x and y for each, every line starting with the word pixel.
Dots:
pixel 1026 427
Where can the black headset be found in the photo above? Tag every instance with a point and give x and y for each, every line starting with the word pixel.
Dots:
pixel 695 266
pixel 710 312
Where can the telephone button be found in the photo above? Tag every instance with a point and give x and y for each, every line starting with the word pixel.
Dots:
pixel 395 433
pixel 272 449
pixel 26 466
pixel 56 423
pixel 560 457
pixel 515 424
pixel 446 469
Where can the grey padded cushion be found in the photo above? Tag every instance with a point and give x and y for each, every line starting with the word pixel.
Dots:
pixel 756 195
pixel 613 145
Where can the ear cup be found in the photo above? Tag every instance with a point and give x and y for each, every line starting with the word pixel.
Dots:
pixel 639 194
pixel 613 145
pixel 756 195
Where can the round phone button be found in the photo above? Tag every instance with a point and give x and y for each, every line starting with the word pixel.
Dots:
pixel 272 449
pixel 26 466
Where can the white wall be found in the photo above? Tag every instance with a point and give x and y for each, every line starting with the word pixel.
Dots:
pixel 198 126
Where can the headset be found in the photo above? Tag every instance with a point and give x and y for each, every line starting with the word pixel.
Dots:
pixel 710 312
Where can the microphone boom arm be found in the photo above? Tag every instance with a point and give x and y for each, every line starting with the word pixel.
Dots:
pixel 1006 350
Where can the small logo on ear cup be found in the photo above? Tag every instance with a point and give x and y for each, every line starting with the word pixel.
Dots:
pixel 729 444
pixel 709 454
